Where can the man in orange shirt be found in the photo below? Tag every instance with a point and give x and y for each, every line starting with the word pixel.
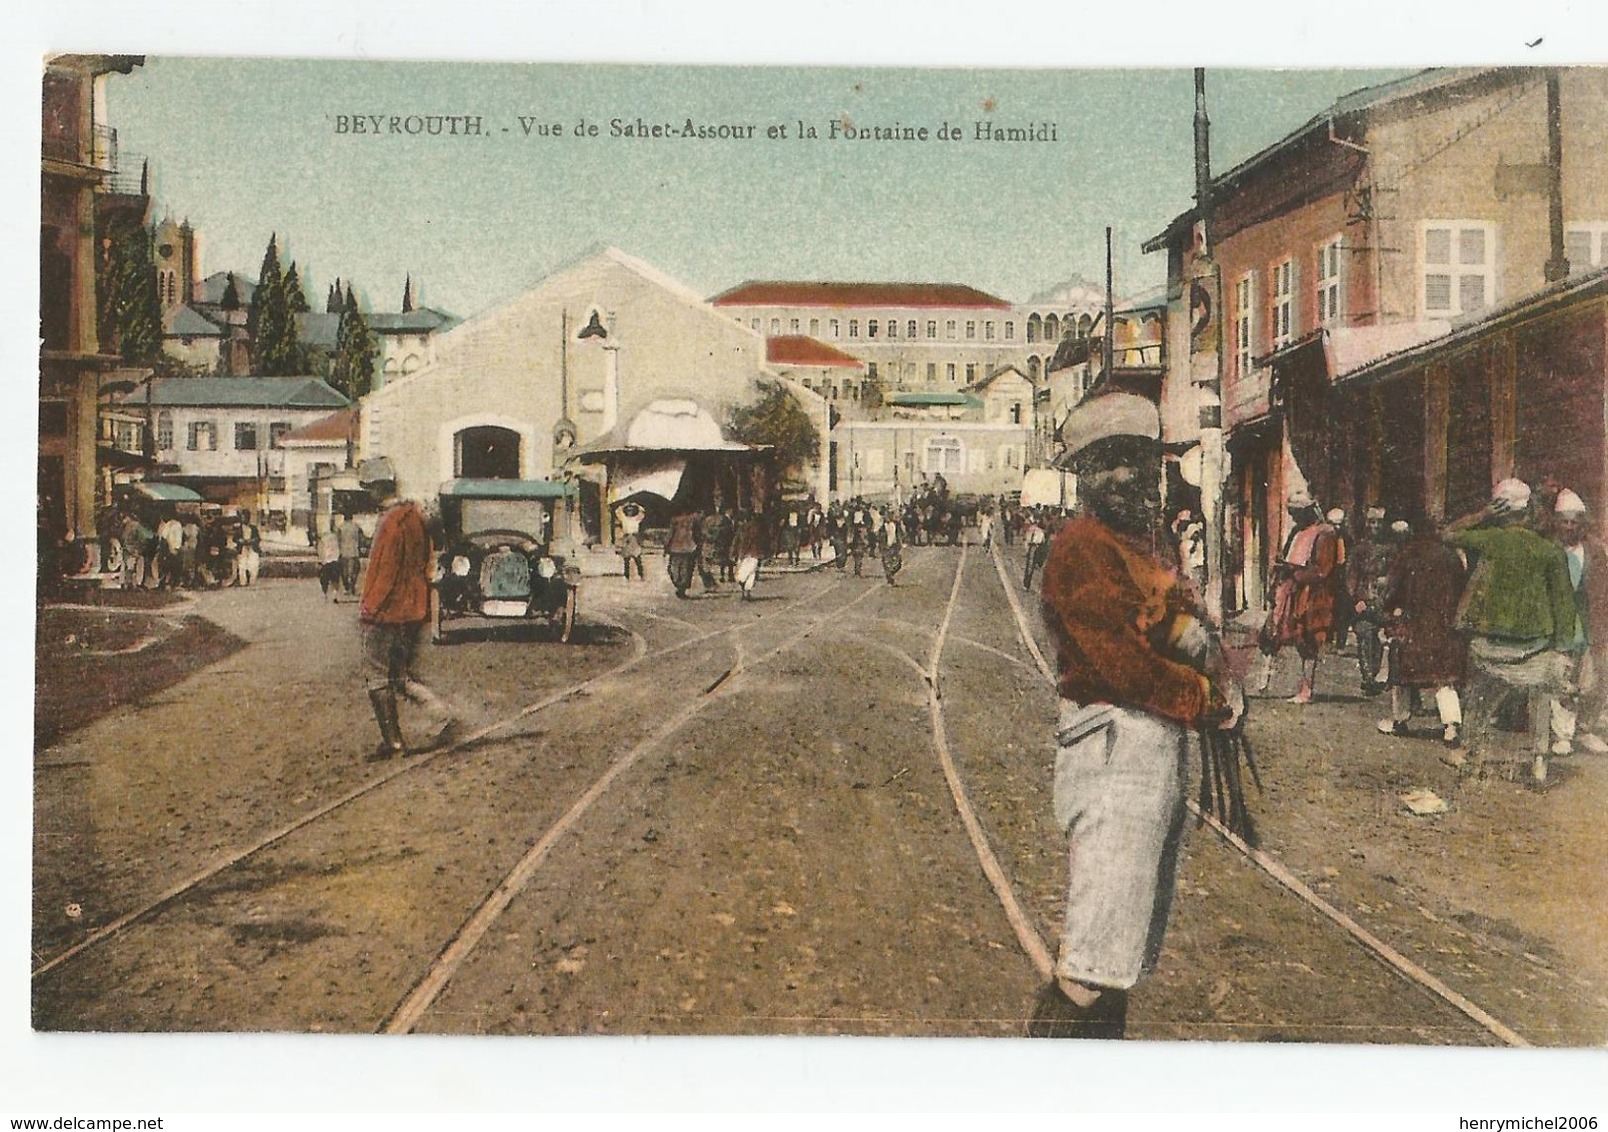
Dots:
pixel 395 608
pixel 1138 669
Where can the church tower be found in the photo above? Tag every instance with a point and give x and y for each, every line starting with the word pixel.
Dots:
pixel 174 254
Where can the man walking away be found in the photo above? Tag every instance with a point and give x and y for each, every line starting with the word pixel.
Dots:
pixel 1035 543
pixel 329 563
pixel 1420 597
pixel 350 540
pixel 395 608
pixel 1519 613
pixel 1367 570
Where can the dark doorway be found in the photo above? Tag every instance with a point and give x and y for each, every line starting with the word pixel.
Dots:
pixel 486 452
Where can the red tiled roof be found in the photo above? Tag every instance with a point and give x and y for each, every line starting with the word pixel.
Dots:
pixel 336 426
pixel 781 294
pixel 802 350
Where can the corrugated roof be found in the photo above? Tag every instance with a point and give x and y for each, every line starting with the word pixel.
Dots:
pixel 1358 101
pixel 318 328
pixel 802 350
pixel 321 328
pixel 185 322
pixel 210 290
pixel 240 392
pixel 335 427
pixel 420 320
pixel 806 294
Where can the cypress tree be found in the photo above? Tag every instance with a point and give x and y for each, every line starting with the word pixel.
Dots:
pixel 295 298
pixel 231 295
pixel 407 294
pixel 355 352
pixel 334 304
pixel 267 317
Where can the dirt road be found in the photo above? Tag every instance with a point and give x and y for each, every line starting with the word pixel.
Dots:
pixel 726 817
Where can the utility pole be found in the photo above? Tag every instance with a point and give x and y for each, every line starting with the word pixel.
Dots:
pixel 1557 266
pixel 1204 287
pixel 1108 354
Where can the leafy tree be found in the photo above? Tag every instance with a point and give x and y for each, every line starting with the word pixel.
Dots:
pixel 778 420
pixel 352 371
pixel 131 312
pixel 873 393
pixel 165 366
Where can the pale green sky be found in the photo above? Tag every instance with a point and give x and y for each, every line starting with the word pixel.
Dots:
pixel 245 147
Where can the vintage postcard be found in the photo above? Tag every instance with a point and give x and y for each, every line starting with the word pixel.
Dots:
pixel 554 550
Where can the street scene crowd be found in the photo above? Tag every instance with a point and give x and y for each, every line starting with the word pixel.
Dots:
pixel 155 546
pixel 1499 617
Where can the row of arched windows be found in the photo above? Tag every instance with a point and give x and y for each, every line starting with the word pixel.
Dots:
pixel 1053 328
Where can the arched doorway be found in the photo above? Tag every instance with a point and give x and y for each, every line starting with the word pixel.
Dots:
pixel 486 452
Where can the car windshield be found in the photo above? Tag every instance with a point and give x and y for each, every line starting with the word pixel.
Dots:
pixel 528 516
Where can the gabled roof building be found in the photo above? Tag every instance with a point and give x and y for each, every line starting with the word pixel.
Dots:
pixel 1391 222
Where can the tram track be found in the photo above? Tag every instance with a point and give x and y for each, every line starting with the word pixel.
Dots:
pixel 409 1012
pixel 1032 943
pixel 413 764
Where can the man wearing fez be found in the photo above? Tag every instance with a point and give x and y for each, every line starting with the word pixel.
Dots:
pixel 1138 669
pixel 1518 612
pixel 395 607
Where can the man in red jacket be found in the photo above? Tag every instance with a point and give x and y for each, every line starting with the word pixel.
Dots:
pixel 1138 669
pixel 395 608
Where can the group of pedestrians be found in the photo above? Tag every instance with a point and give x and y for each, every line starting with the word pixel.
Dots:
pixel 1506 608
pixel 1508 604
pixel 722 545
pixel 340 548
pixel 147 548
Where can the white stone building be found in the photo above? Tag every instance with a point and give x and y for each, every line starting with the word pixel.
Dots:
pixel 513 391
pixel 222 436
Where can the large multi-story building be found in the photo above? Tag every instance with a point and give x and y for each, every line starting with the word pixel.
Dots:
pixel 1397 218
pixel 911 336
pixel 80 185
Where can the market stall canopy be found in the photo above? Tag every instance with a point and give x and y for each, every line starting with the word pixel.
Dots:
pixel 664 428
pixel 164 492
pixel 662 477
pixel 921 400
pixel 506 489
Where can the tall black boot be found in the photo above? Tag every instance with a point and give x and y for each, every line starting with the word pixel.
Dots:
pixel 383 701
pixel 1057 1016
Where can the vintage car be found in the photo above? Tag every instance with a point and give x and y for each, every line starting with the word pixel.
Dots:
pixel 495 563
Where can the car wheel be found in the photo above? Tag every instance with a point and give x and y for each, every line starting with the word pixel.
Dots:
pixel 566 617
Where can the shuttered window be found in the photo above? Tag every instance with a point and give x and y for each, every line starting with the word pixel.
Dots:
pixel 1458 267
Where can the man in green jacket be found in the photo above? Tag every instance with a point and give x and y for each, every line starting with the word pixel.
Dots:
pixel 1519 613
